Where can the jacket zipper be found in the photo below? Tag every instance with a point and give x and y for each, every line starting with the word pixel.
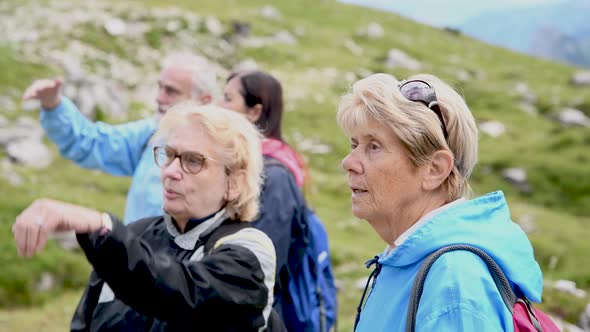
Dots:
pixel 373 275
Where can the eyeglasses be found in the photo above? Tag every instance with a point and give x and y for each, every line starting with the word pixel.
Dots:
pixel 421 91
pixel 190 162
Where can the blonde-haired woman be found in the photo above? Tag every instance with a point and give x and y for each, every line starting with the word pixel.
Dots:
pixel 413 148
pixel 195 265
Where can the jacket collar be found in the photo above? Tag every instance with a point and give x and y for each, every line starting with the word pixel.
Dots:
pixel 188 240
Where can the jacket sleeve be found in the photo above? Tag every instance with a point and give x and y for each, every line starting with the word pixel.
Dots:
pixel 236 274
pixel 115 149
pixel 281 205
pixel 83 315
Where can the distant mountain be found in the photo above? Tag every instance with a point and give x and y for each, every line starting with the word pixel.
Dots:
pixel 558 31
pixel 550 43
pixel 552 29
pixel 432 12
pixel 440 13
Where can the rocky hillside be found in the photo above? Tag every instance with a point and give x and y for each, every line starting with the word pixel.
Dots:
pixel 533 115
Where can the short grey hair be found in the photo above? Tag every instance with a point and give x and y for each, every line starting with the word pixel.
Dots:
pixel 378 97
pixel 203 75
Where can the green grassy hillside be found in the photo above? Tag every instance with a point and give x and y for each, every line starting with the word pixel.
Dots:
pixel 315 72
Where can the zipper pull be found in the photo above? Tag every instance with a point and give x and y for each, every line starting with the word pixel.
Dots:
pixel 372 261
pixel 374 273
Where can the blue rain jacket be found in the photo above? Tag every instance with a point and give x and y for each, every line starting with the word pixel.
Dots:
pixel 459 292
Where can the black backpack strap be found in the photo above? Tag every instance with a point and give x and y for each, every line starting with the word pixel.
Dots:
pixel 228 227
pixel 500 279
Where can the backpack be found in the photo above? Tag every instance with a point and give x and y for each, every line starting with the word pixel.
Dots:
pixel 309 303
pixel 525 317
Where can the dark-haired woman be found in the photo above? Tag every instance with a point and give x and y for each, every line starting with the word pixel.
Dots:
pixel 259 96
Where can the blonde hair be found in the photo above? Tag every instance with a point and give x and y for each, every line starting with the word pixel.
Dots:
pixel 241 149
pixel 378 97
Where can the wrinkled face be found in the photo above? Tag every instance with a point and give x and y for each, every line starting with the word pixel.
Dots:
pixel 381 177
pixel 191 196
pixel 174 85
pixel 232 97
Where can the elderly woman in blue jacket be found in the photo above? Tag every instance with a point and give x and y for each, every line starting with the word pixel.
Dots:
pixel 412 152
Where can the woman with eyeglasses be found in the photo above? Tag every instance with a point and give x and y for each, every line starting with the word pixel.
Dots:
pixel 200 266
pixel 413 148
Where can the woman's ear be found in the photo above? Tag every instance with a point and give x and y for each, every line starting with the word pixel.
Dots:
pixel 438 170
pixel 236 180
pixel 254 113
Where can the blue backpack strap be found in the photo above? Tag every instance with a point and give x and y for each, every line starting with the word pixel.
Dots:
pixel 500 280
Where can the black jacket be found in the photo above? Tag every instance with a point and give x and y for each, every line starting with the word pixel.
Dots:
pixel 147 277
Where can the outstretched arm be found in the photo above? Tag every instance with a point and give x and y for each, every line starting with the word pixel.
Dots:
pixel 237 276
pixel 46 216
pixel 113 149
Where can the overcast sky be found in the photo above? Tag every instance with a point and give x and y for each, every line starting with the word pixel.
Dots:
pixel 447 12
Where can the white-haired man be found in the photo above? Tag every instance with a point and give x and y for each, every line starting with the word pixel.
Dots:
pixel 124 150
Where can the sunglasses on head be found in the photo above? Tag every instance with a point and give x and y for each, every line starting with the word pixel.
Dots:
pixel 421 91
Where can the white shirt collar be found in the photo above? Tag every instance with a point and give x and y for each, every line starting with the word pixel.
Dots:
pixel 188 240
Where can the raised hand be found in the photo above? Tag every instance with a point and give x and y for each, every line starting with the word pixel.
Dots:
pixel 46 91
pixel 45 216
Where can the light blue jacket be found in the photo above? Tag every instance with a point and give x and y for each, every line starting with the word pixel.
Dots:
pixel 122 150
pixel 459 292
